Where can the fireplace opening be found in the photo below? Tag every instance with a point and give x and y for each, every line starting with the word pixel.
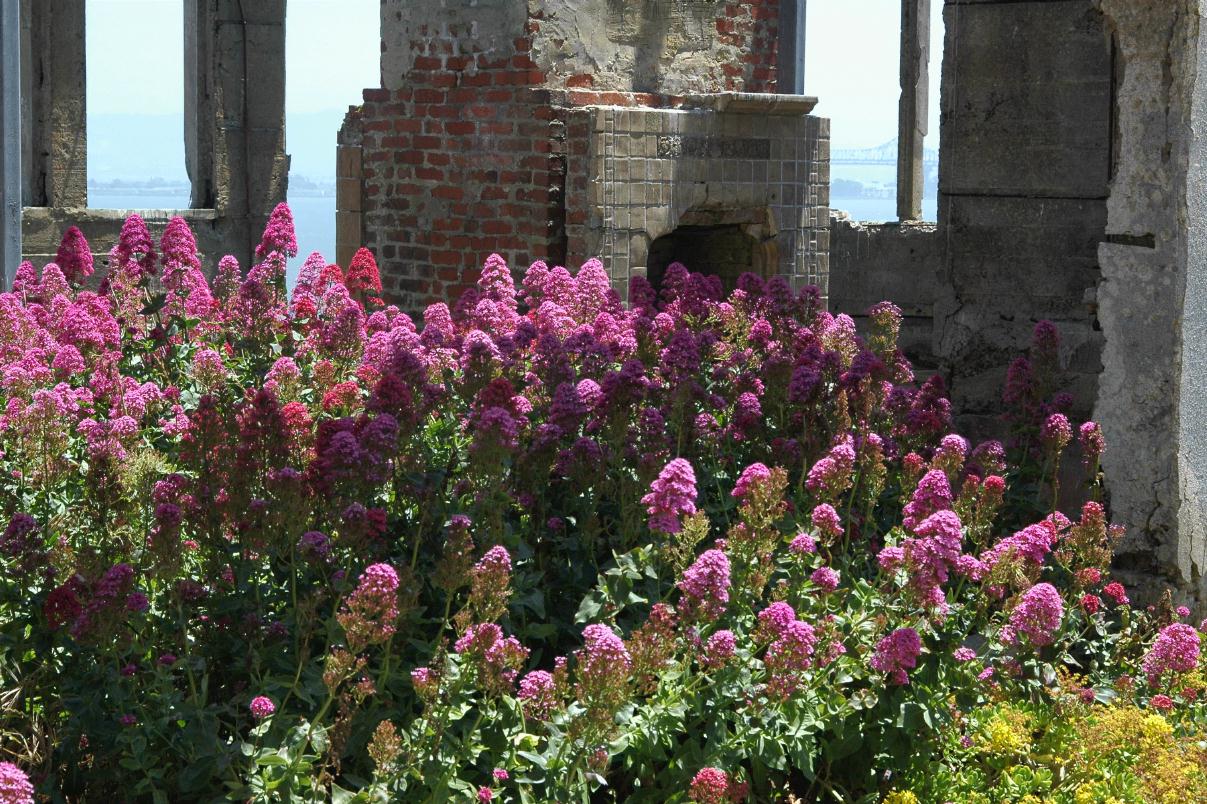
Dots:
pixel 725 250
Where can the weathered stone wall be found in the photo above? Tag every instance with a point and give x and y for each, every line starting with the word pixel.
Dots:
pixel 463 148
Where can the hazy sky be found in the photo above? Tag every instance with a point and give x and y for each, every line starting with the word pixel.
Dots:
pixel 852 65
pixel 135 63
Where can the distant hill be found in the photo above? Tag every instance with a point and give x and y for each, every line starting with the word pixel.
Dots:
pixel 150 146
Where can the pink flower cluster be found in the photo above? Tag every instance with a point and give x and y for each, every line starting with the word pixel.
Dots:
pixel 929 556
pixel 261 707
pixel 932 494
pixel 498 658
pixel 791 652
pixel 714 786
pixel 752 476
pixel 370 614
pixel 1037 616
pixel 14 785
pixel 672 495
pixel 538 692
pixel 705 585
pixel 1175 650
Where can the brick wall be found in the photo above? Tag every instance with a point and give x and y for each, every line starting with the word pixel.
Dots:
pixel 462 161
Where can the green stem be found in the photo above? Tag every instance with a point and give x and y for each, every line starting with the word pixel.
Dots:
pixel 310 732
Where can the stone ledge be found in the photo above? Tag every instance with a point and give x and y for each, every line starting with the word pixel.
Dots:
pixel 754 103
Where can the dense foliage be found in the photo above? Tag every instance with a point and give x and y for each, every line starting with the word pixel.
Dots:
pixel 546 547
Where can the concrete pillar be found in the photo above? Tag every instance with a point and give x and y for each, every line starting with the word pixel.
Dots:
pixel 912 112
pixel 10 139
pixel 1152 299
pixel 349 181
pixel 1192 404
pixel 235 113
pixel 54 111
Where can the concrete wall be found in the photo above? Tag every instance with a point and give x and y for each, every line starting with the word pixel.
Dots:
pixel 897 262
pixel 54 117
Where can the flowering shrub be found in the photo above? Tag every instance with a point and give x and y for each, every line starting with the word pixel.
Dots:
pixel 540 547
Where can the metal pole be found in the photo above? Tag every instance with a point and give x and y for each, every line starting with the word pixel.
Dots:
pixel 790 62
pixel 10 139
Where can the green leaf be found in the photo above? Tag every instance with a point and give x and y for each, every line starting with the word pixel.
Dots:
pixel 341 796
pixel 589 609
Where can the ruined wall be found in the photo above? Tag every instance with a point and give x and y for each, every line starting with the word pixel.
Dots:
pixel 1150 302
pixel 1073 189
pixel 463 148
pixel 459 149
pixel 234 69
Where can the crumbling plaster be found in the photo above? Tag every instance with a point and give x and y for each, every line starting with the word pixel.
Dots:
pixel 492 26
pixel 653 46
